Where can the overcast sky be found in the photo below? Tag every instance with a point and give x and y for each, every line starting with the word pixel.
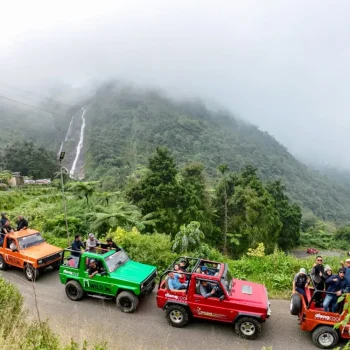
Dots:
pixel 284 65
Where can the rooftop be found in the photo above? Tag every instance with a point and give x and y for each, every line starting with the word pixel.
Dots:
pixel 23 233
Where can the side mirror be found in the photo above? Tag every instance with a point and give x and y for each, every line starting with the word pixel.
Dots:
pixel 104 273
pixel 222 297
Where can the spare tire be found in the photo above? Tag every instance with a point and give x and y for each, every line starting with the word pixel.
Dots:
pixel 295 304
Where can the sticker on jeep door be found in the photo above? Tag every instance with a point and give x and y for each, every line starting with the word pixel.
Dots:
pixel 176 297
pixel 327 318
pixel 98 287
pixel 209 314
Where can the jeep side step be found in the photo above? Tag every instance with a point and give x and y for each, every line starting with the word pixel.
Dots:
pixel 100 296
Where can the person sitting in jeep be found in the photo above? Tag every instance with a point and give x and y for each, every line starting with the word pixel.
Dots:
pixel 22 223
pixel 6 228
pixel 174 282
pixel 207 290
pixel 112 246
pixel 336 284
pixel 94 268
pixel 300 282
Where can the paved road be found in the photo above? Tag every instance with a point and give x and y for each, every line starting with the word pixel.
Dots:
pixel 146 329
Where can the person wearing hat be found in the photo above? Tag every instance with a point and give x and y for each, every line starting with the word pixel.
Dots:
pixel 92 243
pixel 346 266
pixel 336 286
pixel 327 273
pixel 94 268
pixel 300 282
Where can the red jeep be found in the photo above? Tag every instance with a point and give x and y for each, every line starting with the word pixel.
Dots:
pixel 244 304
pixel 319 322
pixel 311 251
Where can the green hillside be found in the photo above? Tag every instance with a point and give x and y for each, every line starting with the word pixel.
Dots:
pixel 124 126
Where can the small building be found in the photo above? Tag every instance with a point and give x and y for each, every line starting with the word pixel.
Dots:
pixel 16 180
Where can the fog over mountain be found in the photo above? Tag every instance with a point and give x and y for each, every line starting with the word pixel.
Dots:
pixel 282 65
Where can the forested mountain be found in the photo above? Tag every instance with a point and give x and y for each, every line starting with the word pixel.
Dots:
pixel 124 125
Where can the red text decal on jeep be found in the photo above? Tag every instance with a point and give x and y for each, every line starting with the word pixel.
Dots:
pixel 244 304
pixel 316 320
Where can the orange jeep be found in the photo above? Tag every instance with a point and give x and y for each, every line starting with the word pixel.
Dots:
pixel 28 250
pixel 321 323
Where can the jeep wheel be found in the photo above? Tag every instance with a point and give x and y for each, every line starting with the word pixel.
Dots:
pixel 3 265
pixel 325 337
pixel 248 328
pixel 177 316
pixel 31 273
pixel 127 302
pixel 74 291
pixel 295 304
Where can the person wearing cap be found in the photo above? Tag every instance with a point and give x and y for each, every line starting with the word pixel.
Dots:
pixel 346 266
pixel 336 285
pixel 94 268
pixel 92 243
pixel 300 282
pixel 112 246
pixel 184 263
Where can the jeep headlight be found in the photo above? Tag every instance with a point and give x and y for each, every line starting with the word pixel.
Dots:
pixel 40 262
pixel 61 253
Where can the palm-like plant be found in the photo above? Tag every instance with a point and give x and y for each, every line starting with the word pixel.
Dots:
pixel 120 214
pixel 84 189
pixel 188 238
pixel 105 197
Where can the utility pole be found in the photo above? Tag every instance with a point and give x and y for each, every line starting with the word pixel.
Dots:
pixel 63 195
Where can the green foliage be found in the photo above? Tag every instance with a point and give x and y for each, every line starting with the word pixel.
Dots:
pixel 83 189
pixel 29 160
pixel 159 192
pixel 188 238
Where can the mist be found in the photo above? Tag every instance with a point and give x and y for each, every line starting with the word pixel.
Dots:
pixel 282 65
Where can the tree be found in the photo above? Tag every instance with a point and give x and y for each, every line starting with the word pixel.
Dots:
pixel 83 189
pixel 188 238
pixel 29 160
pixel 159 192
pixel 289 215
pixel 223 169
pixel 105 197
pixel 196 201
pixel 119 214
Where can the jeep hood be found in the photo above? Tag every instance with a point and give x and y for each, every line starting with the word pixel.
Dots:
pixel 249 293
pixel 40 251
pixel 133 271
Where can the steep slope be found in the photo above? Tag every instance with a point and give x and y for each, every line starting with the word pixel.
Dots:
pixel 125 125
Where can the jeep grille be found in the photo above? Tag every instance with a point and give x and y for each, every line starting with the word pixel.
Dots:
pixel 149 279
pixel 50 258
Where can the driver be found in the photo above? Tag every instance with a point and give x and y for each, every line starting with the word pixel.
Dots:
pixel 94 268
pixel 207 290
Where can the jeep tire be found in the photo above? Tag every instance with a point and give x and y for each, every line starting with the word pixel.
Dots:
pixel 31 272
pixel 127 301
pixel 177 316
pixel 74 290
pixel 325 337
pixel 3 265
pixel 248 327
pixel 295 304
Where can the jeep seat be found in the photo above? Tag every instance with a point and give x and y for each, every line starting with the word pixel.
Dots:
pixel 198 289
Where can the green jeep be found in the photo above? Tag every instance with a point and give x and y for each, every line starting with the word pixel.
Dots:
pixel 121 278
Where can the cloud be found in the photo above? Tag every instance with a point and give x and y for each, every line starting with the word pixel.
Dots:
pixel 283 65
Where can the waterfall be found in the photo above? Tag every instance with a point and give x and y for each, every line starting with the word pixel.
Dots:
pixel 61 148
pixel 80 144
pixel 69 129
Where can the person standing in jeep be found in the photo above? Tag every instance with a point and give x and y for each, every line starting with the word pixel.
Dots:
pixel 336 284
pixel 317 275
pixel 22 223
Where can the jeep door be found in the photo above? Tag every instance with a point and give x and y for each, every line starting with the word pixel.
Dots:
pixel 98 284
pixel 211 307
pixel 12 258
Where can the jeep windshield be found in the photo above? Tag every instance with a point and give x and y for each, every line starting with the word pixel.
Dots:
pixel 115 260
pixel 29 241
pixel 227 281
